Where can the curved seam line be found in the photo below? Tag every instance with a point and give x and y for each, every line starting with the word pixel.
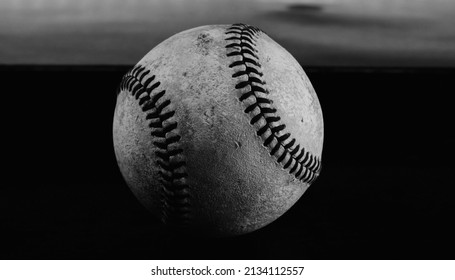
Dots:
pixel 175 197
pixel 310 162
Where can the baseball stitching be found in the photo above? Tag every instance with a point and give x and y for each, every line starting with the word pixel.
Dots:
pixel 241 43
pixel 171 162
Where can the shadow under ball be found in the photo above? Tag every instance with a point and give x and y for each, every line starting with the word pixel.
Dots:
pixel 217 130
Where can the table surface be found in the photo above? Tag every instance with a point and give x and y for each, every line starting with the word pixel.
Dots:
pixel 385 191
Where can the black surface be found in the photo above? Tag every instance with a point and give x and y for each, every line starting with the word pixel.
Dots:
pixel 385 192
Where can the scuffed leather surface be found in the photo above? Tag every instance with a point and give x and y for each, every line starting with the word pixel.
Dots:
pixel 235 185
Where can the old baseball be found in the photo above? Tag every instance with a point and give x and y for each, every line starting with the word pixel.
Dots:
pixel 217 130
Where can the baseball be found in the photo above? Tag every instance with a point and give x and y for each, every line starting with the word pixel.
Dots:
pixel 218 130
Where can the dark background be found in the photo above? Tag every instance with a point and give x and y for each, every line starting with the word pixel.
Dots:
pixel 385 192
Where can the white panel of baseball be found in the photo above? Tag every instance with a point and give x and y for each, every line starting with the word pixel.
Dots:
pixel 218 130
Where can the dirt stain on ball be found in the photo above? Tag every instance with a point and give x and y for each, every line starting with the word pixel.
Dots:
pixel 203 42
